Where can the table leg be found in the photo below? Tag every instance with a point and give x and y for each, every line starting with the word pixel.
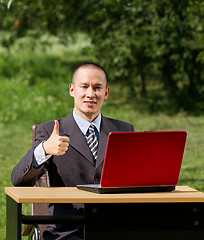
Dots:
pixel 178 221
pixel 13 219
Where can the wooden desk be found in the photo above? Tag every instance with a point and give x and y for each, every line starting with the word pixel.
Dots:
pixel 168 215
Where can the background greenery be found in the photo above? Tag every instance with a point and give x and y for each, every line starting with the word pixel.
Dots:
pixel 153 52
pixel 136 41
pixel 34 88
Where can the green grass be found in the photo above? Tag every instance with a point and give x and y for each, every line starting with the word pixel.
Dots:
pixel 14 142
pixel 34 89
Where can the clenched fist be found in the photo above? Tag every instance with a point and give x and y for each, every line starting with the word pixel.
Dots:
pixel 56 144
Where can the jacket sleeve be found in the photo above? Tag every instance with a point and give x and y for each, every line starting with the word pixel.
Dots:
pixel 24 174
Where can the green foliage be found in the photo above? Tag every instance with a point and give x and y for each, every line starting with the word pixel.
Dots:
pixel 21 102
pixel 179 46
pixel 159 40
pixel 34 83
pixel 136 41
pixel 34 88
pixel 26 97
pixel 34 19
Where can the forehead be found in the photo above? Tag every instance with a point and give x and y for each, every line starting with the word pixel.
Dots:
pixel 89 73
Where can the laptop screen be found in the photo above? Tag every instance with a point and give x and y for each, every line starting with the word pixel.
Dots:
pixel 143 158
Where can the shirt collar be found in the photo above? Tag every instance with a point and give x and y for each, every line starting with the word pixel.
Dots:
pixel 84 124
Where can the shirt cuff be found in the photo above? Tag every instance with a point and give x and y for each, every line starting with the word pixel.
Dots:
pixel 39 156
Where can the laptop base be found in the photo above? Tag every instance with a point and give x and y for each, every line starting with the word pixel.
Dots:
pixel 96 188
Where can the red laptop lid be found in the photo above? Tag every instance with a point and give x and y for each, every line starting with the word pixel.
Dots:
pixel 143 158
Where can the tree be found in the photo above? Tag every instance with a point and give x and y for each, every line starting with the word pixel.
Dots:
pixel 135 40
pixel 123 40
pixel 178 47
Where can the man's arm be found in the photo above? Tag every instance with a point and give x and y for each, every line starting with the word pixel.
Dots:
pixel 26 172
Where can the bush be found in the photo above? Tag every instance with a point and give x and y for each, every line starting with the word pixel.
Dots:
pixel 30 104
pixel 34 82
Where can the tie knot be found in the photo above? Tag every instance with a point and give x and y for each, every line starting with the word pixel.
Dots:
pixel 91 129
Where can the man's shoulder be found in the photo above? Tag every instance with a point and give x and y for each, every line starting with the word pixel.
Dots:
pixel 117 125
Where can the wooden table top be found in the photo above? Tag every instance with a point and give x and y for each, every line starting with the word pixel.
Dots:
pixel 74 195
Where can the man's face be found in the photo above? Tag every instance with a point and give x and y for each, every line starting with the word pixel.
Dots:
pixel 89 91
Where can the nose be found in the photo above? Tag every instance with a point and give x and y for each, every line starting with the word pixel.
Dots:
pixel 90 92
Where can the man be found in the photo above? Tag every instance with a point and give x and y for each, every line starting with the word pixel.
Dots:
pixel 62 146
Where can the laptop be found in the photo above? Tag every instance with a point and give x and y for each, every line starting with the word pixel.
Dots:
pixel 141 162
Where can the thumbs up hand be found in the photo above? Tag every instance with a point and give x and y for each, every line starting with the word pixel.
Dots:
pixel 56 144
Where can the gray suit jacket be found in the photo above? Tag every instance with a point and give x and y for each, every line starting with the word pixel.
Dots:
pixel 76 166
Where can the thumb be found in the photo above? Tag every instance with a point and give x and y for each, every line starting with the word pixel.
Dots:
pixel 56 128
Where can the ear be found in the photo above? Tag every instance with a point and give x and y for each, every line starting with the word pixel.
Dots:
pixel 71 90
pixel 107 93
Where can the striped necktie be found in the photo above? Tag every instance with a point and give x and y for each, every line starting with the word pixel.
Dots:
pixel 92 141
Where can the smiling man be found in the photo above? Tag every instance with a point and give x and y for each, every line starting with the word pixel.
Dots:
pixel 89 89
pixel 72 149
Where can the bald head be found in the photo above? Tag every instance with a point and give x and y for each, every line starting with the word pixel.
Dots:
pixel 89 66
pixel 89 90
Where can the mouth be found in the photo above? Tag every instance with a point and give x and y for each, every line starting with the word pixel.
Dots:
pixel 90 103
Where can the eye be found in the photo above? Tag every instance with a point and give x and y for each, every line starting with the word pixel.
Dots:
pixel 97 88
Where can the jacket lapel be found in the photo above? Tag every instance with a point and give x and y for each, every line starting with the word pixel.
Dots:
pixel 68 127
pixel 102 142
pixel 77 140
